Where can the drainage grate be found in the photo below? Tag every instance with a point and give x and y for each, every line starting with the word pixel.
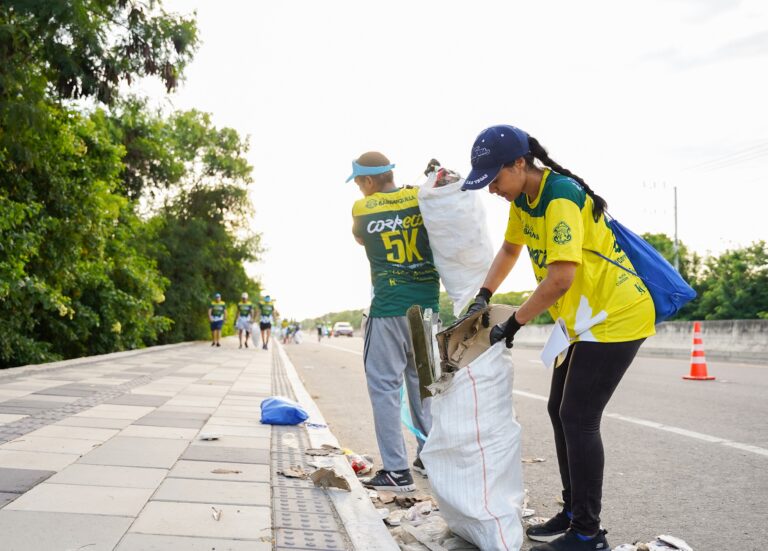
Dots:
pixel 303 516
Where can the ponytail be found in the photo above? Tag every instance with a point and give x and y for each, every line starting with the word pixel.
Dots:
pixel 538 152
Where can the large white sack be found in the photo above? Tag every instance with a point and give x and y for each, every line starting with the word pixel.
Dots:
pixel 458 237
pixel 472 454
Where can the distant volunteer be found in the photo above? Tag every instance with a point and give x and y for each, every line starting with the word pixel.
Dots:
pixel 244 319
pixel 217 315
pixel 388 223
pixel 607 312
pixel 266 311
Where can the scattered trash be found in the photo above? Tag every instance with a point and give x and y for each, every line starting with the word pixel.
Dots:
pixel 661 543
pixel 528 512
pixel 294 472
pixel 359 464
pixel 423 538
pixel 216 513
pixel 534 460
pixel 328 478
pixel 395 517
pixel 383 512
pixel 386 496
pixel 208 436
pixel 533 521
pixel 419 512
pixel 324 450
pixel 316 425
pixel 277 410
pixel 226 471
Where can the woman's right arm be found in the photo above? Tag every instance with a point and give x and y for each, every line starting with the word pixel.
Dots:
pixel 505 260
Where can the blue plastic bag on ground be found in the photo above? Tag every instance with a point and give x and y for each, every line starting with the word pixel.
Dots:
pixel 277 410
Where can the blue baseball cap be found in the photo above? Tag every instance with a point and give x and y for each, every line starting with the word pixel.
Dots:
pixel 493 148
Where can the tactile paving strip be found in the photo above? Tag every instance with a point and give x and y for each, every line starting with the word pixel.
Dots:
pixel 302 515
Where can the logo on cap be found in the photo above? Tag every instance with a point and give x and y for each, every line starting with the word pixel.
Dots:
pixel 479 151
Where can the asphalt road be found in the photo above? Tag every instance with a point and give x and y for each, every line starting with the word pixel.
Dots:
pixel 686 458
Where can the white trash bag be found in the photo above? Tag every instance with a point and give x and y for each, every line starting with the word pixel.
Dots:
pixel 472 453
pixel 458 235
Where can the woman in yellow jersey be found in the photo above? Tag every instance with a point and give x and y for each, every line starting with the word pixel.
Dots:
pixel 608 313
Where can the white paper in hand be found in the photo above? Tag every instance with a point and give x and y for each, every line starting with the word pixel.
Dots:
pixel 557 344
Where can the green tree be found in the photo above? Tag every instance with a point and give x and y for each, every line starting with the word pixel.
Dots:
pixel 201 220
pixel 87 48
pixel 734 285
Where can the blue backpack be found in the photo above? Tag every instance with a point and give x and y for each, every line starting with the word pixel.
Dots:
pixel 668 289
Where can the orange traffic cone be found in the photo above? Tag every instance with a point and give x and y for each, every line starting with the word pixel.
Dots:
pixel 698 359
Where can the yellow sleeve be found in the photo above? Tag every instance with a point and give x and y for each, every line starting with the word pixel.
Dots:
pixel 565 231
pixel 514 233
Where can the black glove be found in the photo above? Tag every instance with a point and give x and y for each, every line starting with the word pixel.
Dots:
pixel 480 303
pixel 505 330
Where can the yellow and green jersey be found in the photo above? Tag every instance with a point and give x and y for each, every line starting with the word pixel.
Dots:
pixel 396 243
pixel 266 309
pixel 244 309
pixel 217 309
pixel 604 303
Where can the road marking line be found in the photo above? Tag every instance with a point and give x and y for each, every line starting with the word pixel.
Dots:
pixel 343 349
pixel 667 428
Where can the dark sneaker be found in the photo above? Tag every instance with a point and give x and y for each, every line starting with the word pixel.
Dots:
pixel 218 344
pixel 550 530
pixel 418 466
pixel 394 481
pixel 571 541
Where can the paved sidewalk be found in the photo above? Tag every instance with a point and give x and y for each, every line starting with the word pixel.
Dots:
pixel 105 453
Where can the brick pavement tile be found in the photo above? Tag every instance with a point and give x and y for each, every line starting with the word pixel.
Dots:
pixel 229 441
pixel 65 391
pixel 138 400
pixel 230 455
pixel 214 491
pixel 260 431
pixel 18 481
pixel 75 498
pixel 251 421
pixel 94 422
pixel 149 431
pixel 204 470
pixel 10 418
pixel 178 422
pixel 86 433
pixel 42 461
pixel 18 410
pixel 152 542
pixel 166 411
pixel 36 531
pixel 136 452
pixel 116 412
pixel 196 519
pixel 188 409
pixel 106 475
pixel 6 498
pixel 51 445
pixel 29 402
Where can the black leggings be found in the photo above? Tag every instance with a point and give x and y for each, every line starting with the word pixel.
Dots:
pixel 581 388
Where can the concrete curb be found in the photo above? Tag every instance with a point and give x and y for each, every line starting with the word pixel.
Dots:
pixel 364 526
pixel 26 369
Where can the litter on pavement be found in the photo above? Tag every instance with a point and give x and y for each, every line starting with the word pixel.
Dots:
pixel 661 543
pixel 328 478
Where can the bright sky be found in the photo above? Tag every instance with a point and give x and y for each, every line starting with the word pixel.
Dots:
pixel 634 97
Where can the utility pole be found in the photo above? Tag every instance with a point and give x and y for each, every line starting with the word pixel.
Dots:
pixel 676 249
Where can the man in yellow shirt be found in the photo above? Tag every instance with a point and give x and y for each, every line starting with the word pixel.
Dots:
pixel 217 315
